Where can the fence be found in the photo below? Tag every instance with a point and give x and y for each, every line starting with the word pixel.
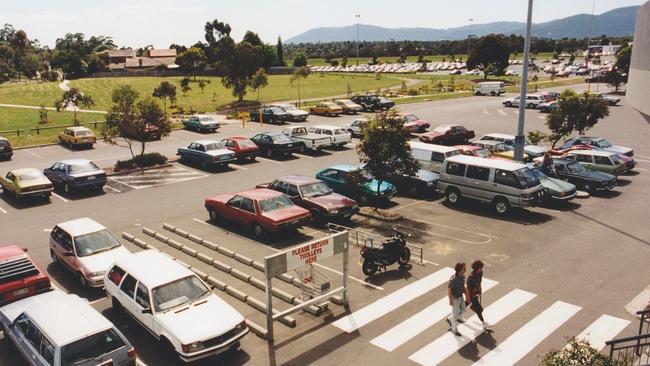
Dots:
pixel 38 129
pixel 17 131
pixel 634 350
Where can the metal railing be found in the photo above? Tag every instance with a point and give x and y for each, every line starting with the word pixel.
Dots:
pixel 634 350
pixel 17 131
pixel 38 129
pixel 360 238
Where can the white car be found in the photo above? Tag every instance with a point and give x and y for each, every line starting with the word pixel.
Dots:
pixel 533 151
pixel 356 127
pixel 339 136
pixel 174 305
pixel 85 248
pixel 295 114
pixel 532 101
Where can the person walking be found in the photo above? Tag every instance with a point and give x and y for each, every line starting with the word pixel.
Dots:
pixel 475 290
pixel 455 291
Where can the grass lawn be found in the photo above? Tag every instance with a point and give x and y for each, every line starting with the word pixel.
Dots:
pixel 25 119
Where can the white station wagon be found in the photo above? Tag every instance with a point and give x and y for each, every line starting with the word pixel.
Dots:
pixel 174 305
pixel 339 136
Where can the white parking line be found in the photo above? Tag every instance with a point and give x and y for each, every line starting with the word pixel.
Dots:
pixel 59 197
pixel 488 237
pixel 603 329
pixel 113 189
pixel 644 169
pixel 501 112
pixel 32 153
pixel 3 210
pixel 303 156
pixel 122 183
pixel 238 167
pixel 541 117
pixel 643 161
pixel 268 160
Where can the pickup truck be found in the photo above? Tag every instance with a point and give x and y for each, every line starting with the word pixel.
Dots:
pixel 270 115
pixel 312 141
pixel 207 153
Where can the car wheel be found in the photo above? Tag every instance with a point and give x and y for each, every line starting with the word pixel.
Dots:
pixel 303 149
pixel 453 196
pixel 477 93
pixel 587 187
pixel 363 200
pixel 258 231
pixel 204 165
pixel 269 153
pixel 530 106
pixel 82 280
pixel 508 104
pixel 55 260
pixel 501 206
pixel 214 216
pixel 66 188
pixel 493 93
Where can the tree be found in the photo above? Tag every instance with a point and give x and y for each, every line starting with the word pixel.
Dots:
pixel 163 91
pixel 579 353
pixel 488 70
pixel 575 112
pixel 384 148
pixel 239 70
pixel 615 79
pixel 300 73
pixel 70 63
pixel 29 65
pixel 74 98
pixel 489 50
pixel 279 50
pixel 260 80
pixel 185 85
pixel 300 59
pixel 623 59
pixel 191 61
pixel 130 119
pixel 203 83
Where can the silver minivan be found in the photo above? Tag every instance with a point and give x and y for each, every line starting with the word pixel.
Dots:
pixel 501 183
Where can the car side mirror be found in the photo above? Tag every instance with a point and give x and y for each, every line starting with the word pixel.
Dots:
pixel 68 254
pixel 147 311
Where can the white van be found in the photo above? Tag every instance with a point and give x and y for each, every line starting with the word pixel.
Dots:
pixel 494 88
pixel 503 184
pixel 431 156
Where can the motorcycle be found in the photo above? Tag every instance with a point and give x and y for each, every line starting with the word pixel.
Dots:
pixel 393 250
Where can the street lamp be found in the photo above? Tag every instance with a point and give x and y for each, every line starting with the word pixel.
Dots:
pixel 519 139
pixel 469 36
pixel 357 44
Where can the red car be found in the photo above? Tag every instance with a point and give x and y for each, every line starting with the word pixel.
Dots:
pixel 413 123
pixel 448 135
pixel 19 276
pixel 472 150
pixel 243 147
pixel 262 210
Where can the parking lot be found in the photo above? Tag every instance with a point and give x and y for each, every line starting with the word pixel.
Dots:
pixel 603 243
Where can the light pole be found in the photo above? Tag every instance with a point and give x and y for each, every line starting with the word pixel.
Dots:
pixel 357 44
pixel 469 36
pixel 591 25
pixel 519 139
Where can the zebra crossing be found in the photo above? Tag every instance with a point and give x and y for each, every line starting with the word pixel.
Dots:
pixel 507 352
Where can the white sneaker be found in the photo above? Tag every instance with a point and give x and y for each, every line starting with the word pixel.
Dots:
pixel 486 325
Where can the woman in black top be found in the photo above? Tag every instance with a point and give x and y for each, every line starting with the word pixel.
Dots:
pixel 474 288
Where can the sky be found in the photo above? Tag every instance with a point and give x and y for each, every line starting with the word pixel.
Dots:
pixel 137 23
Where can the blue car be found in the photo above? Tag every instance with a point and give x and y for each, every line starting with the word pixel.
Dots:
pixel 339 178
pixel 75 175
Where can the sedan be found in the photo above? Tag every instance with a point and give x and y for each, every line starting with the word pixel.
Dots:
pixel 547 107
pixel 261 210
pixel 348 106
pixel 326 109
pixel 274 143
pixel 414 123
pixel 573 172
pixel 76 174
pixel 448 135
pixel 77 136
pixel 201 124
pixel 208 153
pixel 28 182
pixel 424 183
pixel 599 143
pixel 243 147
pixel 557 189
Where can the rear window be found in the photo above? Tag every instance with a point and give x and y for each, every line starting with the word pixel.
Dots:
pixel 83 133
pixel 94 346
pixel 82 168
pixel 275 203
pixel 246 144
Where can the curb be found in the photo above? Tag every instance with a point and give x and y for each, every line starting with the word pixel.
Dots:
pixel 125 172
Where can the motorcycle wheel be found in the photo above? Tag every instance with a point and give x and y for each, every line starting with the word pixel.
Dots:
pixel 405 257
pixel 369 267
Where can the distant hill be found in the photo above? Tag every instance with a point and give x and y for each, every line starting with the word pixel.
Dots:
pixel 617 22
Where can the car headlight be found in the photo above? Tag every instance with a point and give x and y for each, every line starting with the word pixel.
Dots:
pixel 193 347
pixel 333 212
pixel 96 274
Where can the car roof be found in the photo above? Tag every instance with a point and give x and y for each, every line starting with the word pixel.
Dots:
pixel 298 179
pixel 63 318
pixel 152 268
pixel 327 127
pixel 431 147
pixel 591 152
pixel 500 136
pixel 74 161
pixel 81 226
pixel 564 161
pixel 206 142
pixel 487 163
pixel 22 171
pixel 79 128
pixel 344 167
pixel 272 133
pixel 487 142
pixel 258 193
pixel 237 138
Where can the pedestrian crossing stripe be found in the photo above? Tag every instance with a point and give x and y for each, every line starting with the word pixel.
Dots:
pixel 443 347
pixel 386 304
pixel 526 338
pixel 419 322
pixel 602 330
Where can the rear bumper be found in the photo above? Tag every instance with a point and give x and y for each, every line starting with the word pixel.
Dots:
pixel 289 225
pixel 221 162
pixel 40 192
pixel 86 184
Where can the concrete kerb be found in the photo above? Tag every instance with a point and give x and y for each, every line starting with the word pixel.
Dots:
pixel 195 239
pixel 128 237
pixel 204 258
pixel 256 329
pixel 147 231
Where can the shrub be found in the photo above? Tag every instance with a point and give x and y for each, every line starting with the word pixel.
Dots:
pixel 578 353
pixel 537 136
pixel 413 92
pixel 141 161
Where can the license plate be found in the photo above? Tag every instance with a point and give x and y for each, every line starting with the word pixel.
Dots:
pixel 20 292
pixel 84 140
pixel 91 177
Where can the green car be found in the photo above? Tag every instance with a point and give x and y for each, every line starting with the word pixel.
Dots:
pixel 338 177
pixel 27 182
pixel 556 188
pixel 602 161
pixel 201 124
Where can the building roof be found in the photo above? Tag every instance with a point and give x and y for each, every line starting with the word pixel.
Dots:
pixel 162 53
pixel 121 53
pixel 152 268
pixel 62 317
pixel 487 163
pixel 81 226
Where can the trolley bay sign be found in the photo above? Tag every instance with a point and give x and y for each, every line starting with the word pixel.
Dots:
pixel 304 254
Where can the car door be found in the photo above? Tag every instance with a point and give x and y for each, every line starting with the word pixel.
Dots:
pixel 195 152
pixel 603 164
pixel 507 184
pixel 247 213
pixel 478 185
pixel 8 182
pixel 56 173
pixel 586 160
pixel 143 310
pixel 126 296
pixel 62 246
pixel 232 208
pixel 292 191
pixel 30 338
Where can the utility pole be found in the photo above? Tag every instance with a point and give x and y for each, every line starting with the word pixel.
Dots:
pixel 469 36
pixel 357 16
pixel 519 139
pixel 591 25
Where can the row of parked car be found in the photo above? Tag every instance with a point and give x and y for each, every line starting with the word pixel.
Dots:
pixel 547 102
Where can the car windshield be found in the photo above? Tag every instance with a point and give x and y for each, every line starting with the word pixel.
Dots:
pixel 382 99
pixel 482 153
pixel 315 190
pixel 289 107
pixel 96 242
pixel 275 203
pixel 527 178
pixel 246 143
pixel 411 118
pixel 30 176
pixel 441 129
pixel 539 174
pixel 183 291
pixel 280 138
pixel 82 168
pixel 215 146
pixel 206 119
pixel 277 110
pixel 616 160
pixel 576 167
pixel 91 347
pixel 603 144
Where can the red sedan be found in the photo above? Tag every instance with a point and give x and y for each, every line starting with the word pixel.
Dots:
pixel 448 135
pixel 262 210
pixel 243 147
pixel 413 123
